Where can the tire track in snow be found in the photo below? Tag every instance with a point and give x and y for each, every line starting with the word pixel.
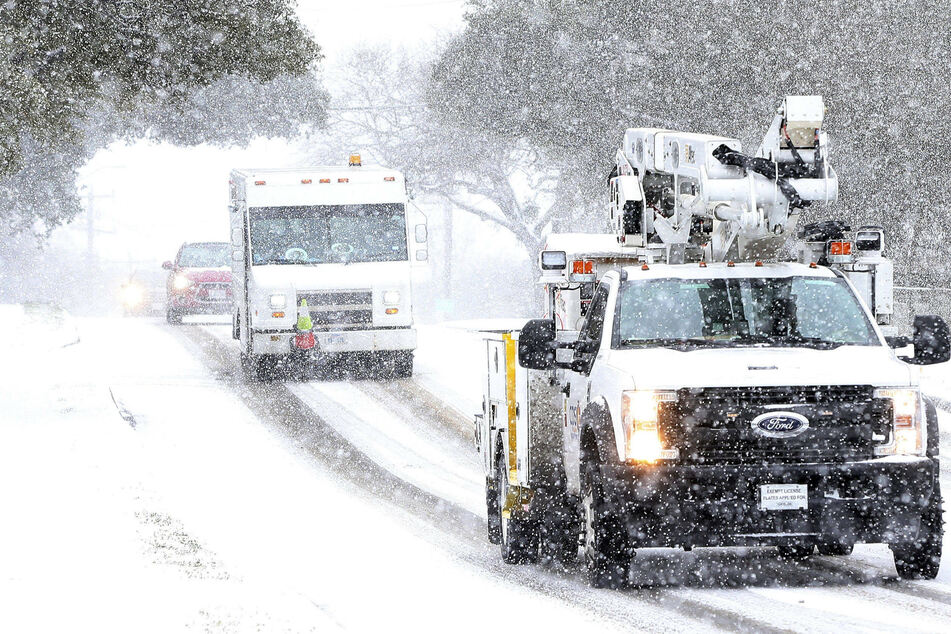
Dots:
pixel 703 600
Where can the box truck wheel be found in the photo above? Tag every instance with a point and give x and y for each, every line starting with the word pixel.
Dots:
pixel 258 367
pixel 606 546
pixel 403 364
pixel 173 316
pixel 518 538
pixel 920 559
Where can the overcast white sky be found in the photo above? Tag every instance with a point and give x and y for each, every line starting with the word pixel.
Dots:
pixel 150 198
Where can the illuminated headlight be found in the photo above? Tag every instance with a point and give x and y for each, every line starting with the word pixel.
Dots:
pixel 391 297
pixel 181 282
pixel 132 295
pixel 906 422
pixel 639 410
pixel 278 300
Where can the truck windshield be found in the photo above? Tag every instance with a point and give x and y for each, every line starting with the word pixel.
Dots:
pixel 796 311
pixel 328 233
pixel 205 255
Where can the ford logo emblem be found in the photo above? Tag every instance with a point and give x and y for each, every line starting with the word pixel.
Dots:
pixel 780 424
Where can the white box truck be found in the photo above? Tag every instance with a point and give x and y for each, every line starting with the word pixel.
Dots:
pixel 334 242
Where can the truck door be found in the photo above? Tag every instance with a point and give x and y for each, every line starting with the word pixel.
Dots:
pixel 579 383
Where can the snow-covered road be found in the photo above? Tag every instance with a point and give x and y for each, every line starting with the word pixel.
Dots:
pixel 220 505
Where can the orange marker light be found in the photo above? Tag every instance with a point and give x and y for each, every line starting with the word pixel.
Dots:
pixel 392 311
pixel 840 248
pixel 343 180
pixel 277 314
pixel 389 179
pixel 731 263
pixel 813 265
pixel 324 180
pixel 306 181
pixel 703 264
pixel 589 267
pixel 758 263
pixel 644 267
pixel 260 182
pixel 577 266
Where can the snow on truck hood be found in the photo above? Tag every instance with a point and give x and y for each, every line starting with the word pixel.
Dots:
pixel 355 276
pixel 744 367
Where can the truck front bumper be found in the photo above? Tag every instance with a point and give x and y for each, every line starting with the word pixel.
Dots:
pixel 338 341
pixel 874 501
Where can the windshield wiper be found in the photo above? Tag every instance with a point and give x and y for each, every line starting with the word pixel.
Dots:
pixel 679 343
pixel 808 342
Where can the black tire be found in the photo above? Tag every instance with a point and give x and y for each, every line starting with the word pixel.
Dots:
pixel 518 539
pixel 257 367
pixel 922 558
pixel 403 364
pixel 830 547
pixel 493 511
pixel 607 550
pixel 796 550
pixel 173 316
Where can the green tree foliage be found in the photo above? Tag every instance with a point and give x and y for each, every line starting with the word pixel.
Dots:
pixel 380 105
pixel 78 74
pixel 570 75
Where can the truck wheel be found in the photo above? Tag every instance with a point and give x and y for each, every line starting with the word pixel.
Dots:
pixel 606 546
pixel 257 367
pixel 403 364
pixel 518 541
pixel 493 511
pixel 173 316
pixel 920 559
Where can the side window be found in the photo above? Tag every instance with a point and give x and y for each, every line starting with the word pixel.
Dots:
pixel 594 324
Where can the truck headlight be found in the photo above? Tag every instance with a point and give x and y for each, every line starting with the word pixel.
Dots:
pixel 639 410
pixel 391 297
pixel 278 300
pixel 181 282
pixel 906 422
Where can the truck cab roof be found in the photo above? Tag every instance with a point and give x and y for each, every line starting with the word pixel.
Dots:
pixel 720 270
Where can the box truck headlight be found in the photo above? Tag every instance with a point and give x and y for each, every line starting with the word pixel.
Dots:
pixel 278 300
pixel 640 412
pixel 906 422
pixel 391 297
pixel 181 282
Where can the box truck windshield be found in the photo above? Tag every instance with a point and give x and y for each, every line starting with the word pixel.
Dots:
pixel 328 233
pixel 797 311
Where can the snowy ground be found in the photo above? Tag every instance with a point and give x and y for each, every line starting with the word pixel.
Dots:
pixel 150 489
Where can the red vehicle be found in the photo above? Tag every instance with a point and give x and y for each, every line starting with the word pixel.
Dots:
pixel 199 281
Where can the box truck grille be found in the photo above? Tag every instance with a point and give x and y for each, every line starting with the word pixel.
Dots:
pixel 339 309
pixel 715 425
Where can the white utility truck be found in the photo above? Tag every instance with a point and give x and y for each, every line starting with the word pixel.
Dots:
pixel 332 242
pixel 689 388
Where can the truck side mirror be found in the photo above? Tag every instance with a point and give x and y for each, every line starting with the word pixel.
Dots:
pixel 535 345
pixel 167 265
pixel 932 341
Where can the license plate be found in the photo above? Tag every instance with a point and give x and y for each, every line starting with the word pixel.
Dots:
pixel 783 497
pixel 216 294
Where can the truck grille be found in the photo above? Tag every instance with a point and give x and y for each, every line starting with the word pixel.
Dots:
pixel 714 425
pixel 339 309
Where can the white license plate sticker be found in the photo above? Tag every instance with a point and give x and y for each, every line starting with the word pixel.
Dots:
pixel 783 497
pixel 216 294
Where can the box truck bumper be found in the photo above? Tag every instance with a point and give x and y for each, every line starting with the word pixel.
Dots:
pixel 279 341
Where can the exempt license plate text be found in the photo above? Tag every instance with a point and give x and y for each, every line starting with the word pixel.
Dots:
pixel 783 497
